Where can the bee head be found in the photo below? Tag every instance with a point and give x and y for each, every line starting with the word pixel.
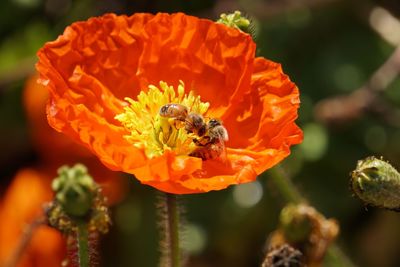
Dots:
pixel 214 123
pixel 196 120
pixel 164 109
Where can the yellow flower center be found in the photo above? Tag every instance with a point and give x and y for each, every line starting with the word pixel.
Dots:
pixel 154 133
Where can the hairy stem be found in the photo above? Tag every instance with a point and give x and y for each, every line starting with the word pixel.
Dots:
pixel 83 244
pixel 170 218
pixel 292 195
pixel 173 227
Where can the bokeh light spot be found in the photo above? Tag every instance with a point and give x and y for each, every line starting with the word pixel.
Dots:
pixel 27 3
pixel 315 141
pixel 348 77
pixel 195 239
pixel 248 195
pixel 387 25
pixel 128 217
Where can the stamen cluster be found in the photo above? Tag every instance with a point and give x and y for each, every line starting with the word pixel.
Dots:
pixel 155 133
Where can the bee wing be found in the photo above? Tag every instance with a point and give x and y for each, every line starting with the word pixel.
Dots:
pixel 188 125
pixel 225 135
pixel 219 132
pixel 223 155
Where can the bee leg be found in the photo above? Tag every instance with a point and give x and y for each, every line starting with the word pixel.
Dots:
pixel 196 142
pixel 202 130
pixel 202 141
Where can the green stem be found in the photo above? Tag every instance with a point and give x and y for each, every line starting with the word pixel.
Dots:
pixel 285 186
pixel 173 217
pixel 336 257
pixel 292 195
pixel 83 244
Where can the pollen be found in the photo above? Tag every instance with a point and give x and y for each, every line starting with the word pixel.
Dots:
pixel 153 133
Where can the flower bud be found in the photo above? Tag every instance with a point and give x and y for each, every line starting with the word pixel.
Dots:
pixel 235 20
pixel 295 223
pixel 376 183
pixel 74 189
pixel 78 200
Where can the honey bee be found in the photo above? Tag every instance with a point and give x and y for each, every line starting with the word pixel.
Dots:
pixel 212 144
pixel 175 111
pixel 212 135
pixel 216 130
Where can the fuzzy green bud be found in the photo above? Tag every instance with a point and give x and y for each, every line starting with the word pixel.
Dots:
pixel 376 183
pixel 295 223
pixel 74 189
pixel 235 20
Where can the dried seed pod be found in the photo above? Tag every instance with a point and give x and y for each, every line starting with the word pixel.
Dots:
pixel 283 256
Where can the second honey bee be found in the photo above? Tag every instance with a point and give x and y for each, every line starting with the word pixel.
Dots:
pixel 211 135
pixel 212 144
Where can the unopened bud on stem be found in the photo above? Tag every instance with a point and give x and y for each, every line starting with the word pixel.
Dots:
pixel 78 199
pixel 376 183
pixel 78 210
pixel 235 20
pixel 295 223
pixel 74 189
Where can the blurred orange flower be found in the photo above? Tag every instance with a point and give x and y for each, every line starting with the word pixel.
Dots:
pixel 21 205
pixel 103 76
pixel 31 187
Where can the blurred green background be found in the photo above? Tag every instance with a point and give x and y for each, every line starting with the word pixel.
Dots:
pixel 327 47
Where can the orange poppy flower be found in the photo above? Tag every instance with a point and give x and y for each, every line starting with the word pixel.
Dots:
pixel 109 76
